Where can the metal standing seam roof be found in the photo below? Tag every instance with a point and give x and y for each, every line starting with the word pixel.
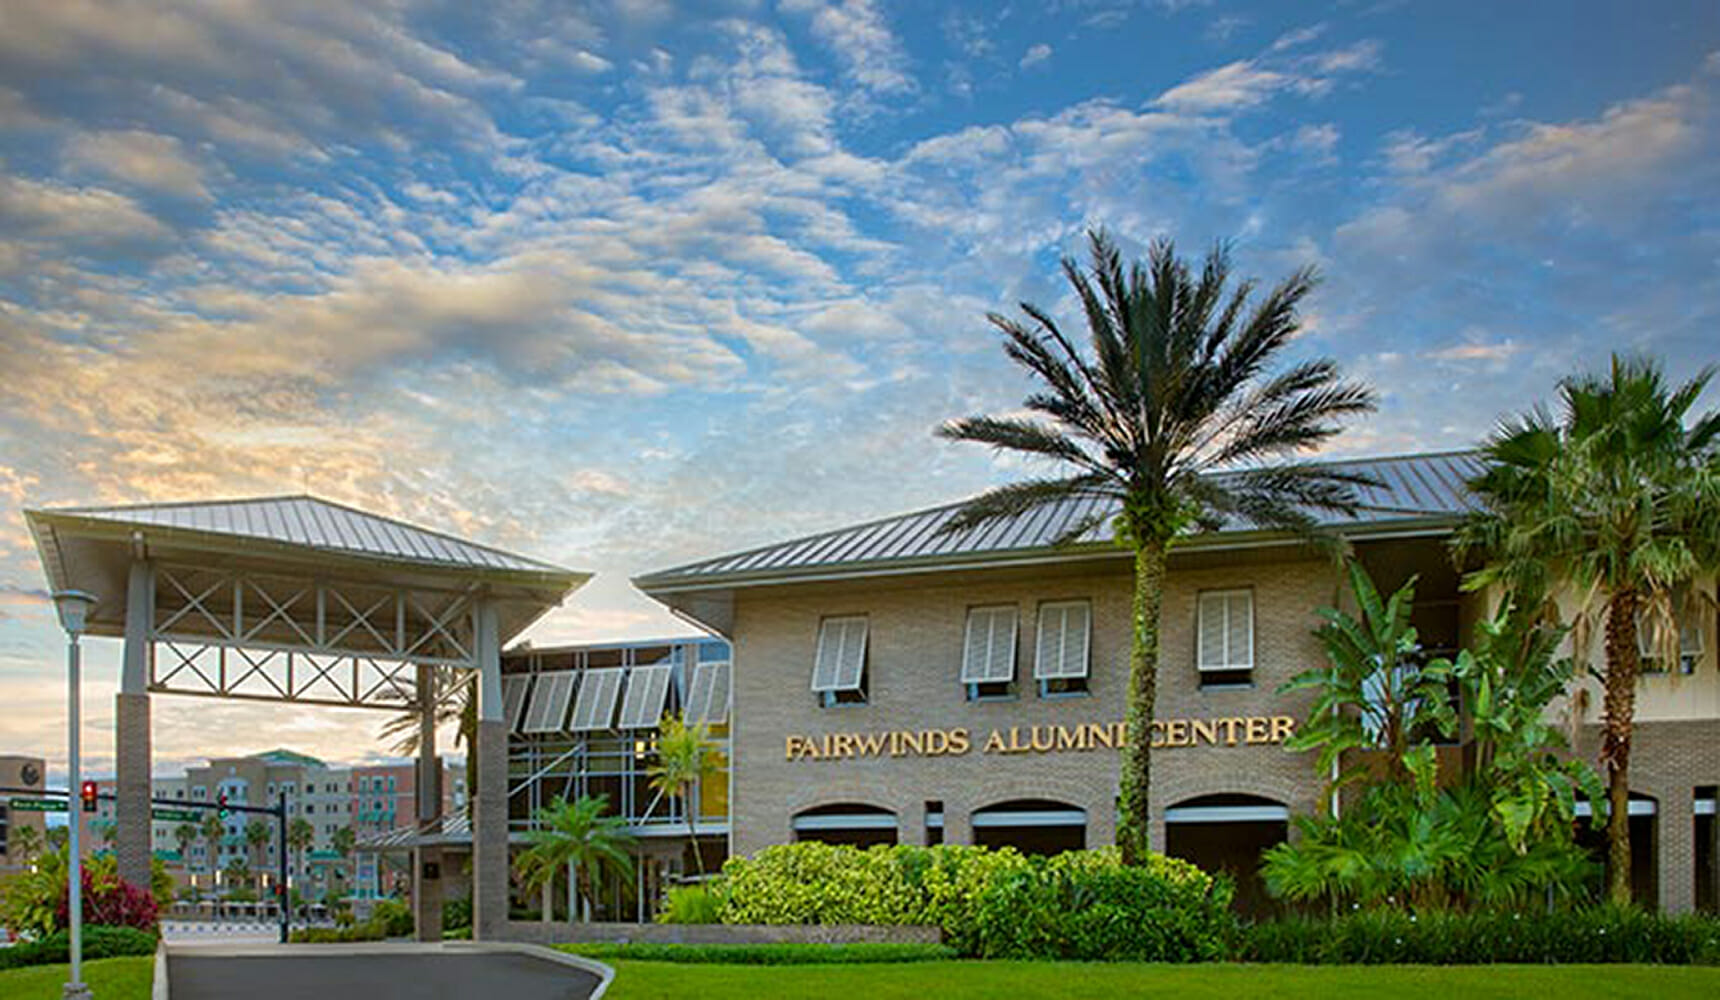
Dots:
pixel 314 523
pixel 1411 488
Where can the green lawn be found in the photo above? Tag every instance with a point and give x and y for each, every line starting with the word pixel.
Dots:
pixel 1077 981
pixel 108 978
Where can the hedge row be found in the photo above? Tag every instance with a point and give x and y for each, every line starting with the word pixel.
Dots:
pixel 1598 935
pixel 1078 905
pixel 391 918
pixel 764 954
pixel 99 941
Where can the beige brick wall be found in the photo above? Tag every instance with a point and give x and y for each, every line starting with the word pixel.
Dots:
pixel 915 644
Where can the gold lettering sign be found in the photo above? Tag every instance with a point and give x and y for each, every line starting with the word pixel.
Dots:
pixel 1254 730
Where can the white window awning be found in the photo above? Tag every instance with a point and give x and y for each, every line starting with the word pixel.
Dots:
pixel 548 712
pixel 1029 817
pixel 845 821
pixel 1228 814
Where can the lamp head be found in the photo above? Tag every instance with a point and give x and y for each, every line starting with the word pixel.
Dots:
pixel 74 609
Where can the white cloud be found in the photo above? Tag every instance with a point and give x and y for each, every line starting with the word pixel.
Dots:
pixel 87 217
pixel 1036 54
pixel 143 159
pixel 1238 85
pixel 857 34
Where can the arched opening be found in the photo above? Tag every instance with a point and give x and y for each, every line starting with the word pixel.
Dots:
pixel 1228 833
pixel 1031 826
pixel 1644 831
pixel 846 823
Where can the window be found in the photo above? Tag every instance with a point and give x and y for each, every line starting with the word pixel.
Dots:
pixel 514 689
pixel 708 694
pixel 598 690
pixel 1224 637
pixel 647 690
pixel 1060 652
pixel 988 654
pixel 839 673
pixel 1652 647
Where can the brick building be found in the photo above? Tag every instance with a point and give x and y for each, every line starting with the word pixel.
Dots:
pixel 896 683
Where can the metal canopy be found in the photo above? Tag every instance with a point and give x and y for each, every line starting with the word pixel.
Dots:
pixel 293 598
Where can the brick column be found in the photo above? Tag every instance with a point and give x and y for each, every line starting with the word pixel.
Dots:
pixel 1675 850
pixel 490 801
pixel 131 736
pixel 490 833
pixel 427 894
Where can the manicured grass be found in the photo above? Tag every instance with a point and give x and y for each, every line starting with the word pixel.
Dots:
pixel 108 978
pixel 1079 981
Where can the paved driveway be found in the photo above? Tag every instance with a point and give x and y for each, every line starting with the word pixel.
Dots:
pixel 376 972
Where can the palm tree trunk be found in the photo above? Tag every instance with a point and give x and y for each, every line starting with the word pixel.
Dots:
pixel 1136 818
pixel 1624 663
pixel 693 833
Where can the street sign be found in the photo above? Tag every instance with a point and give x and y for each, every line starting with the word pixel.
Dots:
pixel 39 805
pixel 180 815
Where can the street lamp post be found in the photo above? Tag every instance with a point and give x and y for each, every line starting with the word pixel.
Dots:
pixel 73 607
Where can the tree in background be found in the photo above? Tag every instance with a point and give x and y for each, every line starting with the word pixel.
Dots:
pixel 459 708
pixel 300 836
pixel 576 833
pixel 212 830
pixel 185 834
pixel 1618 498
pixel 1177 417
pixel 686 756
pixel 26 843
pixel 256 840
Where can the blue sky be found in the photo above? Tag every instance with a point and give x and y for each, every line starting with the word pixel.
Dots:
pixel 624 284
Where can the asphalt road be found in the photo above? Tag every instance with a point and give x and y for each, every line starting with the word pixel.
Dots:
pixel 312 973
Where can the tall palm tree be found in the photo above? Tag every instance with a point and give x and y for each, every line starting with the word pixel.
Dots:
pixel 257 838
pixel 212 830
pixel 579 833
pixel 686 756
pixel 1174 414
pixel 1618 497
pixel 183 835
pixel 300 836
pixel 459 709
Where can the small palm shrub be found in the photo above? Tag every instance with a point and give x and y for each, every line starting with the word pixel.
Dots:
pixel 693 904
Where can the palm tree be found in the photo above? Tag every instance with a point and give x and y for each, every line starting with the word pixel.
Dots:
pixel 460 709
pixel 212 830
pixel 579 833
pixel 257 838
pixel 1618 497
pixel 26 843
pixel 300 836
pixel 1175 417
pixel 183 835
pixel 343 840
pixel 686 756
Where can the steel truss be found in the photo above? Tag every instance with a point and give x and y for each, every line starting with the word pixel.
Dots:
pixel 225 634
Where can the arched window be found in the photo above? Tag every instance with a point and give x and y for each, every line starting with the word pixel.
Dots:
pixel 846 823
pixel 1031 826
pixel 1228 832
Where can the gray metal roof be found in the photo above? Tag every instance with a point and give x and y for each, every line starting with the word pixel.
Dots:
pixel 1412 488
pixel 312 523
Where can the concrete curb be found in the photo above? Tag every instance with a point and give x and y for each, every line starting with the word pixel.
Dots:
pixel 159 991
pixel 604 973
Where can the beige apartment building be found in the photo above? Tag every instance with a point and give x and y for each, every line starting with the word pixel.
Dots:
pixel 896 683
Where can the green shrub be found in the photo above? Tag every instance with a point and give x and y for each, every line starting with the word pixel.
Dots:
pixel 98 942
pixel 368 930
pixel 693 904
pixel 456 913
pixel 1082 904
pixel 764 954
pixel 394 916
pixel 1594 935
pixel 1088 906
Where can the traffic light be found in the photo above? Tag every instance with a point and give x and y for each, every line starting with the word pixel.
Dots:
pixel 88 794
pixel 221 805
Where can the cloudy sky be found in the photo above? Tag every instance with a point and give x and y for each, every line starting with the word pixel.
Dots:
pixel 625 283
